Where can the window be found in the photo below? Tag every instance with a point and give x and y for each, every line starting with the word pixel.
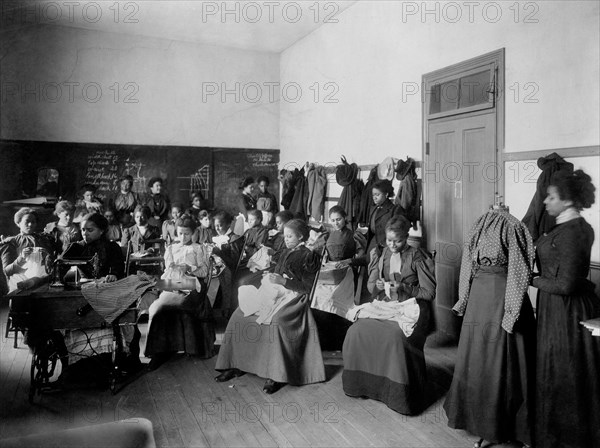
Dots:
pixel 472 90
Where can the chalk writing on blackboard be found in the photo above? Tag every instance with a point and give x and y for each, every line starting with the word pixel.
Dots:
pixel 261 159
pixel 102 171
pixel 134 169
pixel 197 181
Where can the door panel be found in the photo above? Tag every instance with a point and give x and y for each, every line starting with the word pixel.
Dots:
pixel 460 183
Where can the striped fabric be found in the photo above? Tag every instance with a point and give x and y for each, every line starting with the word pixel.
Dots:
pixel 109 300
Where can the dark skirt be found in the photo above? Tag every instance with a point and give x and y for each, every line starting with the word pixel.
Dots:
pixel 381 363
pixel 491 395
pixel 568 372
pixel 181 323
pixel 287 350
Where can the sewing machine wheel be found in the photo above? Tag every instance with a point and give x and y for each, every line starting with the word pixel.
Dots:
pixel 43 364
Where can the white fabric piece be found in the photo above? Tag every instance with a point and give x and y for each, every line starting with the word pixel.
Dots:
pixel 406 313
pixel 264 301
pixel 336 299
pixel 260 261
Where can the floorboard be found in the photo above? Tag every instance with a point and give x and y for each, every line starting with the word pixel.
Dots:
pixel 188 408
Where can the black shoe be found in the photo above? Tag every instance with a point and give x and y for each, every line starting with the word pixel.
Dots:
pixel 228 375
pixel 271 386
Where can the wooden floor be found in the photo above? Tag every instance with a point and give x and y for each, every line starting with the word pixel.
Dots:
pixel 189 409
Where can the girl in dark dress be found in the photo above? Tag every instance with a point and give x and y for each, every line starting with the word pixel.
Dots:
pixel 382 211
pixel 247 201
pixel 125 201
pixel 110 268
pixel 380 361
pixel 228 247
pixel 342 248
pixel 141 232
pixel 276 242
pixel 158 202
pixel 266 201
pixel 287 349
pixel 169 229
pixel 204 232
pixel 63 232
pixel 568 356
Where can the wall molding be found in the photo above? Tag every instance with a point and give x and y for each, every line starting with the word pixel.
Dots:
pixel 577 151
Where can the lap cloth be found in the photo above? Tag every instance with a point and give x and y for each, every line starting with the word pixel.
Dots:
pixel 287 350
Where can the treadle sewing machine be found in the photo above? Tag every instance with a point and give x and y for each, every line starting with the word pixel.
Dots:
pixel 45 309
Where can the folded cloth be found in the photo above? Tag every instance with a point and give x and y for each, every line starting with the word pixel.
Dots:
pixel 406 313
pixel 335 298
pixel 264 301
pixel 109 300
pixel 260 261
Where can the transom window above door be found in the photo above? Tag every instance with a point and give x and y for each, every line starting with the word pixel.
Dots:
pixel 473 90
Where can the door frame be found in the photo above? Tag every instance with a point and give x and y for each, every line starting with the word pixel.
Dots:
pixel 497 58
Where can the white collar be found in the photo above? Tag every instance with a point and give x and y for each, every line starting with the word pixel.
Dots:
pixel 567 215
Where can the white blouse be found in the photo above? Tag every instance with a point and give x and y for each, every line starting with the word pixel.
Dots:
pixel 194 255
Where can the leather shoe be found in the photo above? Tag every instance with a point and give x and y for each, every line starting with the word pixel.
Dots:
pixel 271 386
pixel 228 375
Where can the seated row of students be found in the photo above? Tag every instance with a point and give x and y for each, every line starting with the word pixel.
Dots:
pixel 287 350
pixel 124 203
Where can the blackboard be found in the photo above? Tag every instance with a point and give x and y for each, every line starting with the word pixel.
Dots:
pixel 216 172
pixel 232 166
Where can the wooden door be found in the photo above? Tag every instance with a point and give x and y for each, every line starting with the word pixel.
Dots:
pixel 460 174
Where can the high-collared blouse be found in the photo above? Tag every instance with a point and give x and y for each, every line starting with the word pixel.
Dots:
pixel 498 239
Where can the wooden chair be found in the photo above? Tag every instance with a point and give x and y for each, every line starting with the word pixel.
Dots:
pixel 153 261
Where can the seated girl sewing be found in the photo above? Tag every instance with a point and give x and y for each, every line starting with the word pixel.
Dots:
pixel 182 320
pixel 169 227
pixel 383 350
pixel 337 289
pixel 276 243
pixel 22 254
pixel 228 247
pixel 141 232
pixel 63 232
pixel 108 267
pixel 204 232
pixel 284 347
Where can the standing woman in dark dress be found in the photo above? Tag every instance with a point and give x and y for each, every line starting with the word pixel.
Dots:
pixel 158 202
pixel 568 356
pixel 247 202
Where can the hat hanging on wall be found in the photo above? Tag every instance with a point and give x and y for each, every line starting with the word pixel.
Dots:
pixel 385 170
pixel 404 167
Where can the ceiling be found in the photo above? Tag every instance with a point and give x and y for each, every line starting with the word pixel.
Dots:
pixel 269 26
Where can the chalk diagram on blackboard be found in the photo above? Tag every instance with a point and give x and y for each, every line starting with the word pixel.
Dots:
pixel 197 181
pixel 134 169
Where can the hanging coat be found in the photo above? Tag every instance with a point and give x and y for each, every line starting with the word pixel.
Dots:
pixel 288 187
pixel 299 202
pixel 537 219
pixel 346 175
pixel 317 183
pixel 408 192
pixel 366 205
